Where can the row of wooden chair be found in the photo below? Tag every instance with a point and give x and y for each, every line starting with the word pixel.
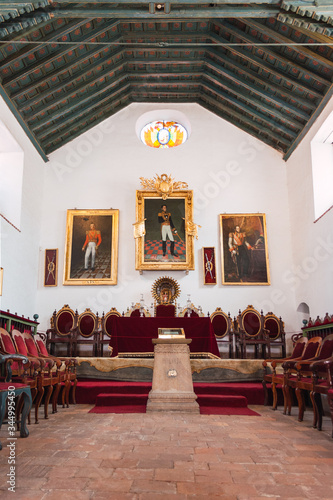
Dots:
pixel 46 375
pixel 308 370
pixel 249 329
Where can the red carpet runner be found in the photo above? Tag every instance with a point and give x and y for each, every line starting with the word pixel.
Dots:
pixel 131 397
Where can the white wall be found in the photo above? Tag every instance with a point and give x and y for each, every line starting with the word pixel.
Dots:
pixel 229 171
pixel 312 275
pixel 19 250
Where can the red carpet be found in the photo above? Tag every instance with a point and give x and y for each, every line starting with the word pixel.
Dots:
pixel 131 397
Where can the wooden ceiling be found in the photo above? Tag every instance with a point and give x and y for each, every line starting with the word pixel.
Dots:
pixel 264 66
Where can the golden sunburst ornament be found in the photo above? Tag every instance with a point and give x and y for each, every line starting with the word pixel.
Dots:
pixel 165 290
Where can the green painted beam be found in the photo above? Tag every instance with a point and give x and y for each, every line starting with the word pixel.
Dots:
pixel 264 82
pixel 307 127
pixel 291 63
pixel 171 2
pixel 253 113
pixel 243 122
pixel 23 124
pixel 261 63
pixel 305 51
pixel 183 12
pixel 259 103
pixel 39 65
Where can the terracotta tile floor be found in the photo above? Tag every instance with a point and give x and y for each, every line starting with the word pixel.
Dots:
pixel 77 455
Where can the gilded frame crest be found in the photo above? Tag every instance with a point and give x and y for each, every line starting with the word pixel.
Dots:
pixel 244 249
pixel 91 253
pixel 153 250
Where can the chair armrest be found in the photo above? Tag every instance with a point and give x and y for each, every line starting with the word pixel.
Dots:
pixel 322 364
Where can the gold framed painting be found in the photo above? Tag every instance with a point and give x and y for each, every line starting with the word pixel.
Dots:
pixel 166 238
pixel 91 253
pixel 244 249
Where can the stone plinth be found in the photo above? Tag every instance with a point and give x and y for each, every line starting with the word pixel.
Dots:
pixel 172 386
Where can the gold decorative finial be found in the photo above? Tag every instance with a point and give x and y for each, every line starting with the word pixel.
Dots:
pixel 164 185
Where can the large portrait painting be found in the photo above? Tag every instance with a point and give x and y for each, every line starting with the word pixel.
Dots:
pixel 164 230
pixel 244 249
pixel 91 256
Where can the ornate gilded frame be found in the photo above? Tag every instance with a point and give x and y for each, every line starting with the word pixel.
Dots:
pixel 252 267
pixel 106 261
pixel 179 201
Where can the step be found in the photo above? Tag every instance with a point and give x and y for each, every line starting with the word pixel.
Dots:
pixel 116 399
pixel 233 401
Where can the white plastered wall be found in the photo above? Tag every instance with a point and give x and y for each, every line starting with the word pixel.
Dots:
pixel 20 248
pixel 311 279
pixel 229 171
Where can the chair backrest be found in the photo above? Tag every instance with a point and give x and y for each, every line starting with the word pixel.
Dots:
pixel 312 347
pixel 273 325
pixel 299 347
pixel 8 346
pixel 64 320
pixel 221 323
pixel 251 322
pixel 25 341
pixel 195 312
pixel 165 311
pixel 326 348
pixel 87 323
pixel 135 311
pixel 41 347
pixel 107 321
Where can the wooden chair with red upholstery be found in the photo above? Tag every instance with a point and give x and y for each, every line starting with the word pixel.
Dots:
pixel 290 373
pixel 250 331
pixel 191 311
pixel 322 384
pixel 86 332
pixel 67 369
pixel 304 381
pixel 23 373
pixel 63 330
pixel 164 310
pixel 223 329
pixel 136 310
pixel 48 375
pixel 274 378
pixel 107 328
pixel 275 328
pixel 9 389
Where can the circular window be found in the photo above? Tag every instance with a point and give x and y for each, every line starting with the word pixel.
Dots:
pixel 163 134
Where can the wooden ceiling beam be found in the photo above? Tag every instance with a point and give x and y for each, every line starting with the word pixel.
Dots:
pixel 261 63
pixel 254 113
pixel 259 103
pixel 227 116
pixel 243 120
pixel 305 51
pixel 267 84
pixel 177 12
pixel 291 64
pixel 39 65
pixel 47 39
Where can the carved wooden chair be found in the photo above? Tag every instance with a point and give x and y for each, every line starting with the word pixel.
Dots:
pixel 107 328
pixel 164 310
pixel 135 310
pixel 322 384
pixel 48 375
pixel 196 312
pixel 67 369
pixel 22 373
pixel 304 383
pixel 223 329
pixel 290 373
pixel 86 332
pixel 275 329
pixel 250 331
pixel 274 378
pixel 10 388
pixel 62 331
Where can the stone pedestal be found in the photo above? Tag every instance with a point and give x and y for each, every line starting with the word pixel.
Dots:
pixel 172 387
